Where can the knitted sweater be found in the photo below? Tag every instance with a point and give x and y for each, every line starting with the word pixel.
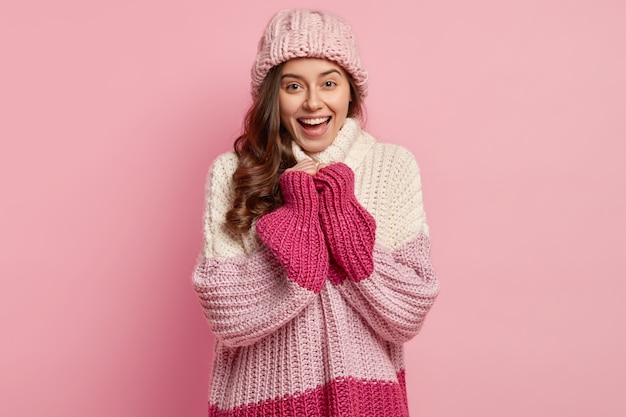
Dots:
pixel 311 308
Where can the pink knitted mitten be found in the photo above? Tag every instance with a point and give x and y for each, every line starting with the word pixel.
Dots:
pixel 293 232
pixel 349 229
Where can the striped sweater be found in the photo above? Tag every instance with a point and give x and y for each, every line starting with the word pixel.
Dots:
pixel 311 308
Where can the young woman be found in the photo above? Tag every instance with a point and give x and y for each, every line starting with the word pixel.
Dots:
pixel 316 267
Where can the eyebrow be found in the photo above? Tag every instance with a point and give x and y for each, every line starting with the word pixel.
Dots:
pixel 323 74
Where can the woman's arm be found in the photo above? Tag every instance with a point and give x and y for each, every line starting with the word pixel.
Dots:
pixel 293 232
pixel 395 299
pixel 399 290
pixel 349 229
pixel 247 297
pixel 248 294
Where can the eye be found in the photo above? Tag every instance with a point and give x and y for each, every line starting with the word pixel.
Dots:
pixel 329 84
pixel 292 87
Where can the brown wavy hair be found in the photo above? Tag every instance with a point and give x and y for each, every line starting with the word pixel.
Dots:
pixel 264 152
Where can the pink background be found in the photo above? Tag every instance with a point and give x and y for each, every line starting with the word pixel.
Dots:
pixel 111 112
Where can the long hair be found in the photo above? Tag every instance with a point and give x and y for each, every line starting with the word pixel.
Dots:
pixel 264 152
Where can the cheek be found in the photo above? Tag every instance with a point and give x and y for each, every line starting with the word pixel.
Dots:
pixel 342 105
pixel 342 101
pixel 287 106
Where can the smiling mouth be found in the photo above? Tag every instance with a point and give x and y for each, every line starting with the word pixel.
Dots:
pixel 314 122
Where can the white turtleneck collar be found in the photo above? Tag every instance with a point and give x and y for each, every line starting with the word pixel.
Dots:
pixel 349 146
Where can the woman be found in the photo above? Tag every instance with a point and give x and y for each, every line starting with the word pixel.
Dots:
pixel 316 266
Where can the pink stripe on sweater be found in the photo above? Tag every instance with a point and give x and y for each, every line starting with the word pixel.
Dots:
pixel 246 298
pixel 342 397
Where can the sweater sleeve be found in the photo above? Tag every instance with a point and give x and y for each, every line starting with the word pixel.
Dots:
pixel 396 297
pixel 293 232
pixel 349 229
pixel 244 290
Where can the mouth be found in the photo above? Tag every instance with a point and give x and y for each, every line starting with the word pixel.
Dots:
pixel 313 122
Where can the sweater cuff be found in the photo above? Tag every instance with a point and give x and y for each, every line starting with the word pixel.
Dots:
pixel 348 227
pixel 338 177
pixel 293 233
pixel 298 191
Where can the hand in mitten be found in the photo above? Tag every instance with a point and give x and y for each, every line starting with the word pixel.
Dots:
pixel 293 232
pixel 349 229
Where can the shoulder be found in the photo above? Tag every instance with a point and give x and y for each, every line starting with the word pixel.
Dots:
pixel 219 184
pixel 390 188
pixel 224 164
pixel 219 240
pixel 391 159
pixel 221 172
pixel 394 152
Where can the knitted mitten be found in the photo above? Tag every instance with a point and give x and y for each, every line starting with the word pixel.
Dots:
pixel 349 229
pixel 293 232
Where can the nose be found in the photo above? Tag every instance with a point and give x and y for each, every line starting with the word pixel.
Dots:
pixel 313 100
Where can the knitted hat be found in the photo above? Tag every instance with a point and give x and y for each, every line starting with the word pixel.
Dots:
pixel 300 33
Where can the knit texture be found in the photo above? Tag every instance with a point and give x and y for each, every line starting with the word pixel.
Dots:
pixel 283 349
pixel 348 227
pixel 293 232
pixel 300 33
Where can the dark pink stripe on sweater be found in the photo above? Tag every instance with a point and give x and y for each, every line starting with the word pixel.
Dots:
pixel 344 397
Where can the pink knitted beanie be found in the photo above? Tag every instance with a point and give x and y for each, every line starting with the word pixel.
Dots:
pixel 300 33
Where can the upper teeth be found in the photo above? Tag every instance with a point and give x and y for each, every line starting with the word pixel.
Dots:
pixel 314 121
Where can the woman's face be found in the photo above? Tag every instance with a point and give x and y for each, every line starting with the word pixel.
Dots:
pixel 314 98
